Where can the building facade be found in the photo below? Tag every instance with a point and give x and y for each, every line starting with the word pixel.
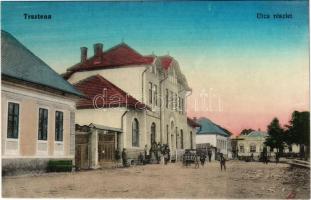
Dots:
pixel 38 110
pixel 252 144
pixel 213 137
pixel 155 84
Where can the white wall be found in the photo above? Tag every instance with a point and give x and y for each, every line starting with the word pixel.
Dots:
pixel 128 78
pixel 203 139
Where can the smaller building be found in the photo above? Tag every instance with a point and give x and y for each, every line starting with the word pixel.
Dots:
pixel 213 137
pixel 252 144
pixel 38 111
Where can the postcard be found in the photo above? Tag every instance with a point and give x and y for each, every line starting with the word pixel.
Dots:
pixel 155 99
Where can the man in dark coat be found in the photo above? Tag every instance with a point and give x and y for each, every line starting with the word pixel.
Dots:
pixel 124 157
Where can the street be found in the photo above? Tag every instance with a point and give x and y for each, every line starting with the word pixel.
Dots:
pixel 241 180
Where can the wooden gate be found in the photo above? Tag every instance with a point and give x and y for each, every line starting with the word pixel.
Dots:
pixel 82 158
pixel 106 148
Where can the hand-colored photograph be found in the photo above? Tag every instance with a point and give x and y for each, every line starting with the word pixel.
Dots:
pixel 155 99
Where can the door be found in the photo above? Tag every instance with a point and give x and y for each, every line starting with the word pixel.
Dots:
pixel 82 159
pixel 106 148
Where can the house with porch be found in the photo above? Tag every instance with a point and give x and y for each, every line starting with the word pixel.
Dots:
pixel 38 111
pixel 143 97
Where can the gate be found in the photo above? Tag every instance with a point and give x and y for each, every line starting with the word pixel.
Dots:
pixel 106 148
pixel 82 151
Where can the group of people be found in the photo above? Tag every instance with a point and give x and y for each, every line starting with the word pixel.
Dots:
pixel 162 151
pixel 157 152
pixel 200 157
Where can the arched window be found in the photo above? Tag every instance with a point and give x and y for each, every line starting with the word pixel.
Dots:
pixel 181 139
pixel 176 133
pixel 135 133
pixel 153 133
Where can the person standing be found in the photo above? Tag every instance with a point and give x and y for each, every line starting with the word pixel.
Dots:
pixel 202 159
pixel 196 161
pixel 209 155
pixel 124 158
pixel 222 162
pixel 117 157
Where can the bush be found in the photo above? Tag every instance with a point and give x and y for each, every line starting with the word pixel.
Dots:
pixel 59 166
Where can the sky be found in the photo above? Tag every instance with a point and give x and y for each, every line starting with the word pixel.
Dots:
pixel 243 71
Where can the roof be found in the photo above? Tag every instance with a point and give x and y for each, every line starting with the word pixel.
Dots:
pixel 192 123
pixel 166 61
pixel 102 127
pixel 257 134
pixel 19 63
pixel 210 128
pixel 118 56
pixel 102 93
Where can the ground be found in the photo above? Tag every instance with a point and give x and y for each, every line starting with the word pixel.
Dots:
pixel 241 180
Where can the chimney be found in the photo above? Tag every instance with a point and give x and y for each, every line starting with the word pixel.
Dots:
pixel 98 49
pixel 83 54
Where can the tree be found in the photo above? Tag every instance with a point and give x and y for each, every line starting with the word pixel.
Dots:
pixel 298 130
pixel 246 131
pixel 275 137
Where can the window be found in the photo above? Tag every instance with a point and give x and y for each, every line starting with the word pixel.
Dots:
pixel 135 133
pixel 43 124
pixel 176 133
pixel 175 101
pixel 252 148
pixel 191 143
pixel 155 95
pixel 179 104
pixel 166 98
pixel 242 148
pixel 13 120
pixel 181 139
pixel 172 100
pixel 167 134
pixel 153 133
pixel 150 93
pixel 182 106
pixel 59 126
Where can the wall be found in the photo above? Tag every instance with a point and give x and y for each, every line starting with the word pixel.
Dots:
pixel 30 100
pixel 128 79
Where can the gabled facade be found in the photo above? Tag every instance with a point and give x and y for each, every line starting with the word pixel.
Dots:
pixel 156 82
pixel 38 110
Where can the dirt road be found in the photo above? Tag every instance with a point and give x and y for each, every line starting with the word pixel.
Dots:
pixel 241 180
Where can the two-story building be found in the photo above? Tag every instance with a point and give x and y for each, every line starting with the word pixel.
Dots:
pixel 38 110
pixel 139 99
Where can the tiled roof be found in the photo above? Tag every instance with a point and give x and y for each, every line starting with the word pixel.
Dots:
pixel 118 56
pixel 209 127
pixel 166 61
pixel 103 94
pixel 19 63
pixel 257 134
pixel 192 123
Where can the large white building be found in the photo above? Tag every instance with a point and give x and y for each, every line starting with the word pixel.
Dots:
pixel 136 99
pixel 213 137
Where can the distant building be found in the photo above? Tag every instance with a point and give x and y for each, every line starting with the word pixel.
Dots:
pixel 129 81
pixel 212 136
pixel 38 110
pixel 253 144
